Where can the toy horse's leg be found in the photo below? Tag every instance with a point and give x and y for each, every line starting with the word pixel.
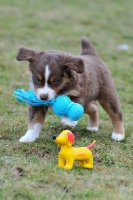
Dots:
pixel 61 161
pixel 81 163
pixel 69 163
pixel 92 111
pixel 36 120
pixel 89 163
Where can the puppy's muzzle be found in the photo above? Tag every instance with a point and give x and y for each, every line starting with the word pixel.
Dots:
pixel 44 96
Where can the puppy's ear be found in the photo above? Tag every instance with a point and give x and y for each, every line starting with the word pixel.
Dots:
pixel 74 63
pixel 26 54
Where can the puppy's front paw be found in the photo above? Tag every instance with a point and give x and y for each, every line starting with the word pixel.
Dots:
pixel 92 128
pixel 27 138
pixel 67 122
pixel 117 136
pixel 32 134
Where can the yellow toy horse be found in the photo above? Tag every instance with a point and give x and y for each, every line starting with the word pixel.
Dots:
pixel 69 154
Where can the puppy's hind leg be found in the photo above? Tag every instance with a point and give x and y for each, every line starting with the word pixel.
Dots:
pixel 36 120
pixel 112 106
pixel 92 110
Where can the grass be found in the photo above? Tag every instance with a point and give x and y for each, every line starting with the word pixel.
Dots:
pixel 29 171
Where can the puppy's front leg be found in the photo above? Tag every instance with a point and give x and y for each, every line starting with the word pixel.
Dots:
pixel 68 122
pixel 92 110
pixel 36 120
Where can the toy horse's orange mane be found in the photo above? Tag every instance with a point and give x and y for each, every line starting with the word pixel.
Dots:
pixel 71 137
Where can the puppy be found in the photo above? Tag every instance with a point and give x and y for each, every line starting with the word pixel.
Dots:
pixel 84 78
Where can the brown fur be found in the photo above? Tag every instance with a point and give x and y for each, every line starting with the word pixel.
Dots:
pixel 36 115
pixel 85 78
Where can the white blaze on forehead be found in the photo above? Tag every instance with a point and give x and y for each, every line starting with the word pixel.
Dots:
pixel 46 74
pixel 46 88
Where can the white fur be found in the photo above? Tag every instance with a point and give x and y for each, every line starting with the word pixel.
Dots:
pixel 117 136
pixel 32 134
pixel 68 122
pixel 92 128
pixel 46 89
pixel 31 82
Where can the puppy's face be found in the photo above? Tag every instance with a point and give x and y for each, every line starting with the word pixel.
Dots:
pixel 51 71
pixel 48 79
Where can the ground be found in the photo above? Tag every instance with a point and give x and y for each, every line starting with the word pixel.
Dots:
pixel 29 171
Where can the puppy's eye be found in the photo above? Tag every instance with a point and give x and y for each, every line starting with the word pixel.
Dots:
pixel 38 80
pixel 54 82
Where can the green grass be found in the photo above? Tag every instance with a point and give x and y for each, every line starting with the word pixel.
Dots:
pixel 29 171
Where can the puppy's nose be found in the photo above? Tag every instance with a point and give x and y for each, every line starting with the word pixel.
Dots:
pixel 54 137
pixel 44 96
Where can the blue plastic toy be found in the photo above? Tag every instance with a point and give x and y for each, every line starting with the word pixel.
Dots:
pixel 62 106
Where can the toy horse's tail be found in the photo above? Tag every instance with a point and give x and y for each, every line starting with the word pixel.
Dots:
pixel 91 145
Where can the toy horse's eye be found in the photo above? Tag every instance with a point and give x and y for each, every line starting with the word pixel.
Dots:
pixel 64 134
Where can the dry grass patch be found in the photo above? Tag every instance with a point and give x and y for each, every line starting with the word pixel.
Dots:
pixel 29 171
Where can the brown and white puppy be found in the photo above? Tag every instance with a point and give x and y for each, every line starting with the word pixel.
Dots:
pixel 84 78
